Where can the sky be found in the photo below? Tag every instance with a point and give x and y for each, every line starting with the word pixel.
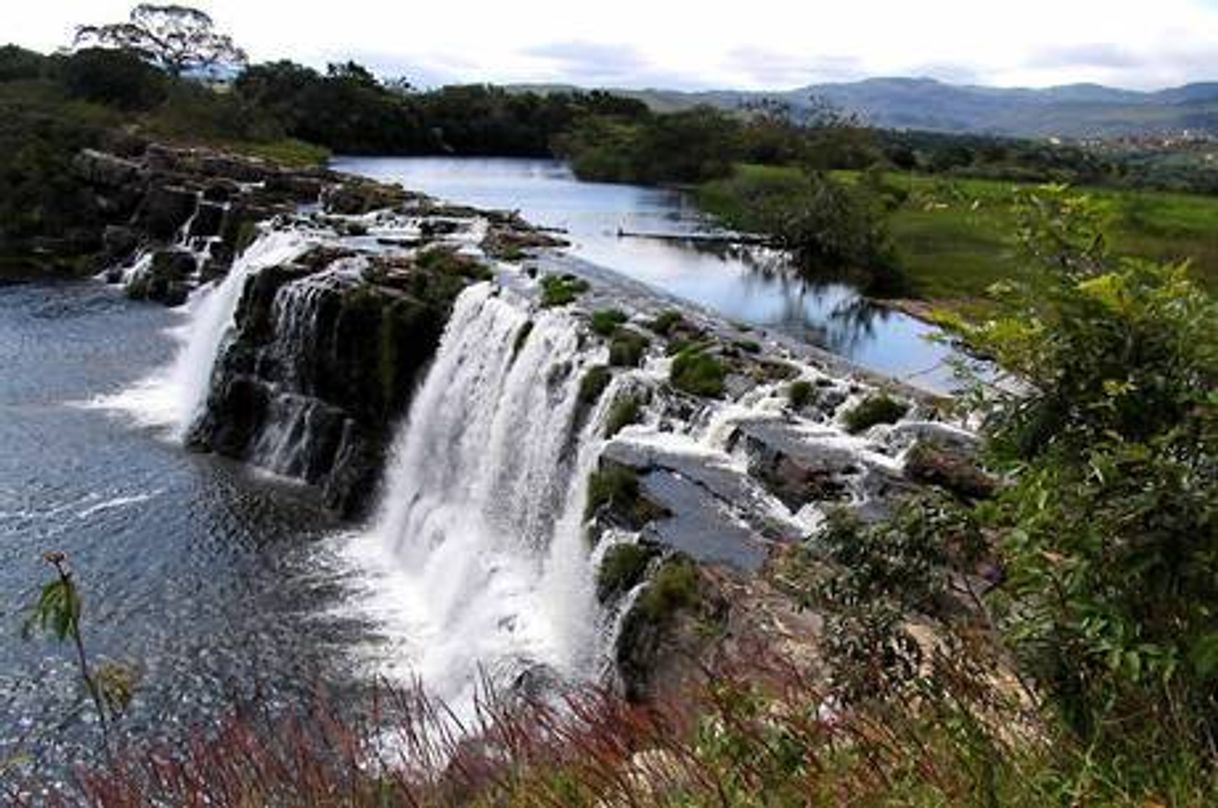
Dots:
pixel 757 44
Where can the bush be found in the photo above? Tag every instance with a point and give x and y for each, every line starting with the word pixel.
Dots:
pixel 622 568
pixel 593 384
pixel 627 348
pixel 615 487
pixel 697 373
pixel 872 410
pixel 674 587
pixel 559 290
pixel 606 321
pixel 117 78
pixel 799 394
pixel 624 412
pixel 666 321
pixel 1112 524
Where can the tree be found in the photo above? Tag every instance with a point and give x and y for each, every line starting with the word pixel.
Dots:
pixel 177 39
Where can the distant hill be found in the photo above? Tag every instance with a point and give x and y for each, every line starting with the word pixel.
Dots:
pixel 1074 111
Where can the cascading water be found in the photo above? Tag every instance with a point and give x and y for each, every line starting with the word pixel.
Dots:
pixel 478 543
pixel 174 396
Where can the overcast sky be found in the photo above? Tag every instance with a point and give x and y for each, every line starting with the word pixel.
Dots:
pixel 755 44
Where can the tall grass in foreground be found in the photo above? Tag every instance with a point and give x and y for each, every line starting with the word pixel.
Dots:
pixel 762 736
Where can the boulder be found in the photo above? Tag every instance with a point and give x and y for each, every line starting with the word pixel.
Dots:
pixel 105 170
pixel 208 220
pixel 167 279
pixel 950 468
pixel 165 209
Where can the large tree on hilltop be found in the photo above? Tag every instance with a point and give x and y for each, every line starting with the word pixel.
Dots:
pixel 178 39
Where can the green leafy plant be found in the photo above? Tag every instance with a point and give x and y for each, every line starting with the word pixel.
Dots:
pixel 58 612
pixel 559 290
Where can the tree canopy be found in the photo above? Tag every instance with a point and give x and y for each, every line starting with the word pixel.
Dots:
pixel 178 39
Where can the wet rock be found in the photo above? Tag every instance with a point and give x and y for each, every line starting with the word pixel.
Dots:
pixel 167 279
pixel 358 198
pixel 120 243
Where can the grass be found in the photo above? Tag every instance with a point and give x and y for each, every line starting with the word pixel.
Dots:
pixel 626 410
pixel 875 409
pixel 697 373
pixel 956 237
pixel 605 321
pixel 622 567
pixel 627 348
pixel 559 290
pixel 593 384
pixel 614 486
pixel 799 394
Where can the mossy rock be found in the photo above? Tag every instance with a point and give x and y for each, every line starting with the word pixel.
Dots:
pixel 626 410
pixel 799 394
pixel 622 568
pixel 606 321
pixel 879 408
pixel 627 348
pixel 666 321
pixel 560 290
pixel 614 493
pixel 593 384
pixel 698 373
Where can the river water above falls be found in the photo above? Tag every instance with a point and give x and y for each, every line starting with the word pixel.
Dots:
pixel 739 284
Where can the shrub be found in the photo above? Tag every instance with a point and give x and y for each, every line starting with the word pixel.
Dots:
pixel 614 486
pixel 666 321
pixel 1111 527
pixel 627 348
pixel 622 568
pixel 624 412
pixel 673 587
pixel 697 373
pixel 559 290
pixel 799 394
pixel 117 78
pixel 605 321
pixel 593 384
pixel 872 410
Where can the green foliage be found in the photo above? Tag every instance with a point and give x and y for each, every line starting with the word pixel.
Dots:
pixel 625 411
pixel 622 568
pixel 605 321
pixel 593 384
pixel 559 290
pixel 666 321
pixel 614 487
pixel 799 394
pixel 674 587
pixel 116 78
pixel 881 576
pixel 878 408
pixel 627 348
pixel 833 229
pixel 698 373
pixel 1111 527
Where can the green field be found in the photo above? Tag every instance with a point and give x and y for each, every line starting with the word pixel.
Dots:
pixel 955 237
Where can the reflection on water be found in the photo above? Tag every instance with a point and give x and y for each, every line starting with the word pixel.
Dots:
pixel 750 285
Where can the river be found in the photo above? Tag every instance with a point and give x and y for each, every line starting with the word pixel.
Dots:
pixel 748 286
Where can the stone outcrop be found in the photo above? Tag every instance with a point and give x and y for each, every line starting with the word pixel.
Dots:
pixel 324 356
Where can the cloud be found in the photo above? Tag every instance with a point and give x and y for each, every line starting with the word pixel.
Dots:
pixel 1093 54
pixel 771 69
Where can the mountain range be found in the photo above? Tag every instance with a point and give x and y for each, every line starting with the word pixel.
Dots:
pixel 1071 111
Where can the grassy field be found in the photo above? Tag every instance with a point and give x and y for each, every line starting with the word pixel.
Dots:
pixel 955 237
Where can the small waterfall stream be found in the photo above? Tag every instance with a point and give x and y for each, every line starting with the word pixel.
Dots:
pixel 479 543
pixel 174 396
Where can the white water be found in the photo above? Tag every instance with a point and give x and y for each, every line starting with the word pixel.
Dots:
pixel 174 396
pixel 477 558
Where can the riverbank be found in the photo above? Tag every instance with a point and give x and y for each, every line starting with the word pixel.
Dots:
pixel 955 237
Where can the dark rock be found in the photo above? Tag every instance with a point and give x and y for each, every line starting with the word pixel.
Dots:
pixel 120 242
pixel 358 198
pixel 105 170
pixel 167 278
pixel 165 209
pixel 948 468
pixel 208 220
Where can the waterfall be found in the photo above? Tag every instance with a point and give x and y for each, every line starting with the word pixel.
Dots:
pixel 174 396
pixel 478 544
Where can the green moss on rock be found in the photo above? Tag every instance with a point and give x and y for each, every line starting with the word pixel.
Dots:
pixel 879 408
pixel 622 568
pixel 698 373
